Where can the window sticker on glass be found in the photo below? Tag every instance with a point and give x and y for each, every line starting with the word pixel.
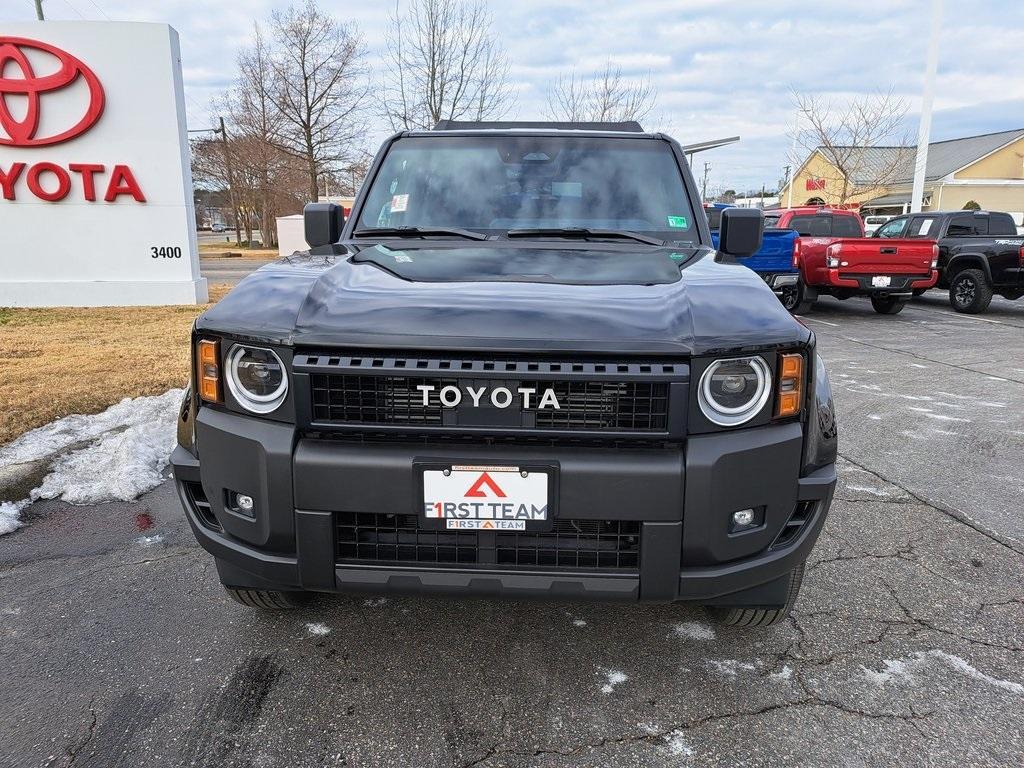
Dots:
pixel 924 227
pixel 567 189
pixel 399 203
pixel 679 222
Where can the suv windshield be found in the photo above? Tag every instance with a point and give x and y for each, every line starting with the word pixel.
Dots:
pixel 494 184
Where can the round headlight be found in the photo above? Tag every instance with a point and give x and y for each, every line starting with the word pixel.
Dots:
pixel 732 392
pixel 256 378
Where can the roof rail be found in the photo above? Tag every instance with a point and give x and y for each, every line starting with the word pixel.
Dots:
pixel 626 126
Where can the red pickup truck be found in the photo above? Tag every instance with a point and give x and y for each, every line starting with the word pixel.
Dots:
pixel 835 259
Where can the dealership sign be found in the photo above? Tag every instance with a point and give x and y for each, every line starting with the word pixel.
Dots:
pixel 95 187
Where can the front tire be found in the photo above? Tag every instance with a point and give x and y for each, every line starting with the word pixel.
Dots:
pixel 888 305
pixel 969 292
pixel 760 617
pixel 268 599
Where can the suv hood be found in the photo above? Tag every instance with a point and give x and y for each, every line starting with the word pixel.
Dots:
pixel 587 297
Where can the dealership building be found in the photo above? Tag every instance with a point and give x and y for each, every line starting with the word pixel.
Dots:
pixel 988 169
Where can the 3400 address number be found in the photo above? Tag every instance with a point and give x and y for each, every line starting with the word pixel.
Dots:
pixel 165 252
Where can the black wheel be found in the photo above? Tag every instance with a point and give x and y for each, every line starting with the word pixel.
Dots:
pixel 760 617
pixel 888 305
pixel 269 599
pixel 790 297
pixel 969 292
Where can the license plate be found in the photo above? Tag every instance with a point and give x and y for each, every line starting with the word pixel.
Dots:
pixel 488 498
pixel 881 281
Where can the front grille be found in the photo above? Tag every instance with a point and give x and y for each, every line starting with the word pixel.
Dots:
pixel 404 391
pixel 396 401
pixel 573 544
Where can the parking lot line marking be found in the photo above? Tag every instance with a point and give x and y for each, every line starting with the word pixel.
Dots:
pixel 826 322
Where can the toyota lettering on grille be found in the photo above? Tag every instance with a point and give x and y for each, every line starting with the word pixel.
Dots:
pixel 450 396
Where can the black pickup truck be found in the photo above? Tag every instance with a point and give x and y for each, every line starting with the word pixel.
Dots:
pixel 980 253
pixel 518 369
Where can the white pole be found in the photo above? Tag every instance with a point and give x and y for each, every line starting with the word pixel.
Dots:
pixel 924 129
pixel 792 160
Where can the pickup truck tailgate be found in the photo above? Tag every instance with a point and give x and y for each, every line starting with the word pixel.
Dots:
pixel 875 256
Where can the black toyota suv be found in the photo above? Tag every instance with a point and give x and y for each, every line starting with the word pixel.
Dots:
pixel 980 253
pixel 518 369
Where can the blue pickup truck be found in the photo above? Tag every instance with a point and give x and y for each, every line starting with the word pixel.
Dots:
pixel 774 262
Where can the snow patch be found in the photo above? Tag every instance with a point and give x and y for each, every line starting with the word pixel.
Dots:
pixel 613 677
pixel 943 417
pixel 676 744
pixel 149 541
pixel 874 417
pixel 10 512
pixel 783 674
pixel 694 630
pixel 730 667
pixel 579 623
pixel 906 670
pixel 873 491
pixel 318 630
pixel 116 455
pixel 917 365
pixel 375 602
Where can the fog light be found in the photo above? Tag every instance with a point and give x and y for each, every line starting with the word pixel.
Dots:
pixel 244 503
pixel 741 519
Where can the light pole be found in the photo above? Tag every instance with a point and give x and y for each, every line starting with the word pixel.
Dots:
pixel 39 10
pixel 924 128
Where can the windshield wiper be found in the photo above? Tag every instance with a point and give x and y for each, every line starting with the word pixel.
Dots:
pixel 584 233
pixel 469 234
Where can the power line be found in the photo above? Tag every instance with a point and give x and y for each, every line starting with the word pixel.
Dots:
pixel 93 4
pixel 77 12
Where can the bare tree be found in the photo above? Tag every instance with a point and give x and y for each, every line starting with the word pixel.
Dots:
pixel 608 97
pixel 444 62
pixel 862 140
pixel 320 88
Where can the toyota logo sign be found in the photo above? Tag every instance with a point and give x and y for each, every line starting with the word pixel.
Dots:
pixel 19 82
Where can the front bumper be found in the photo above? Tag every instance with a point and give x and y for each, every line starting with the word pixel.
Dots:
pixel 678 499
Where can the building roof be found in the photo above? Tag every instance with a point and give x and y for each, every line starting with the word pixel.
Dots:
pixel 944 157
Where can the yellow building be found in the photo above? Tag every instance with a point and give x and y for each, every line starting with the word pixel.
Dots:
pixel 987 169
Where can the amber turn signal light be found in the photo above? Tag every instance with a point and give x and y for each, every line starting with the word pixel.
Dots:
pixel 208 370
pixel 791 385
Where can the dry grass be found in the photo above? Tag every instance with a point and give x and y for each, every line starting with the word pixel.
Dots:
pixel 55 362
pixel 220 250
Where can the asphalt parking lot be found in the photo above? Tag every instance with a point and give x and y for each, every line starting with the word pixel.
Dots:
pixel 906 648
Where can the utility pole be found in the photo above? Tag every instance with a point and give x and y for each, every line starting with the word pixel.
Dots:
pixel 924 129
pixel 231 181
pixel 789 184
pixel 39 10
pixel 704 183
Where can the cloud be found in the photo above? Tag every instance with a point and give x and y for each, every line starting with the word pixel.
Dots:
pixel 721 69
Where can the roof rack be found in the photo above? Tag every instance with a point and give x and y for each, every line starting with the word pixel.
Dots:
pixel 626 126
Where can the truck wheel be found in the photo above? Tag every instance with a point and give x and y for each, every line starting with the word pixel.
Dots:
pixel 790 298
pixel 268 599
pixel 760 617
pixel 888 305
pixel 969 292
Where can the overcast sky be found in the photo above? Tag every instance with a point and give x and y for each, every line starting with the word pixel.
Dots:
pixel 721 67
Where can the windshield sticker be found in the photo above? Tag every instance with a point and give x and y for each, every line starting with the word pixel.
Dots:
pixel 399 203
pixel 679 256
pixel 679 222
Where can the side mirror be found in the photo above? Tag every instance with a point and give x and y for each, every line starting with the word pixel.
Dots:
pixel 741 231
pixel 323 224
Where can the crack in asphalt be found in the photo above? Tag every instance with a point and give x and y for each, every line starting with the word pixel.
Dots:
pixel 1003 540
pixel 811 699
pixel 74 750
